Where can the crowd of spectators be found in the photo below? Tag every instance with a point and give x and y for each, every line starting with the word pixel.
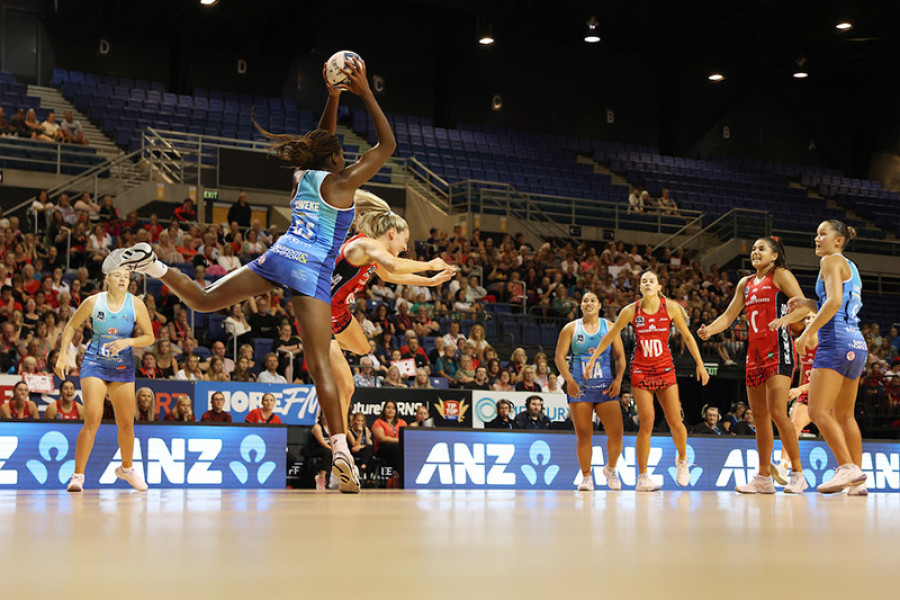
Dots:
pixel 418 335
pixel 25 124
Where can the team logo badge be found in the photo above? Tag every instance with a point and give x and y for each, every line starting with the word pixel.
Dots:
pixel 101 315
pixel 262 259
pixel 452 410
pixel 579 338
pixel 851 355
pixel 639 321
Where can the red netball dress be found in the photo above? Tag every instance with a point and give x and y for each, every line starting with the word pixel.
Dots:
pixel 768 352
pixel 652 367
pixel 347 281
pixel 807 361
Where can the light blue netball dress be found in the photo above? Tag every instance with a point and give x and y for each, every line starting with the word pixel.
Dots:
pixel 302 259
pixel 108 326
pixel 841 343
pixel 583 345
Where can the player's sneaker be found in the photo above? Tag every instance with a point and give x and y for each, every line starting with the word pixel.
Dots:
pixel 858 490
pixel 797 483
pixel 133 478
pixel 645 483
pixel 137 257
pixel 760 484
pixel 612 478
pixel 320 482
pixel 343 468
pixel 845 476
pixel 682 471
pixel 587 483
pixel 779 473
pixel 76 484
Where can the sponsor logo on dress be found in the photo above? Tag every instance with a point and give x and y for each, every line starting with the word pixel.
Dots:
pixel 851 356
pixel 639 321
pixel 112 331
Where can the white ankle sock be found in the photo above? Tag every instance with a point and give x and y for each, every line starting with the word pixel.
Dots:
pixel 339 443
pixel 157 269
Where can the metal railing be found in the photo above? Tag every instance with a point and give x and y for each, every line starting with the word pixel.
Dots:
pixel 860 244
pixel 736 223
pixel 99 177
pixel 64 156
pixel 543 211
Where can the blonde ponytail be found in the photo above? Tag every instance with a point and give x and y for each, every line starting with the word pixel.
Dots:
pixel 374 216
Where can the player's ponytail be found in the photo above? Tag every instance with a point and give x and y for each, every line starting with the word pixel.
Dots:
pixel 374 216
pixel 843 230
pixel 310 151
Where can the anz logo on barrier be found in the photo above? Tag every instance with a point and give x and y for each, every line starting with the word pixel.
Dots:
pixel 486 464
pixel 253 451
pixel 53 448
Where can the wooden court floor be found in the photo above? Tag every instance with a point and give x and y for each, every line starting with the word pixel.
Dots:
pixel 171 544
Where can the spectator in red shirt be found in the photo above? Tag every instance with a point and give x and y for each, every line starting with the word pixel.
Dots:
pixel 146 405
pixel 186 213
pixel 216 414
pixel 265 413
pixel 8 304
pixel 386 431
pixel 413 350
pixel 154 227
pixel 50 295
pixel 148 367
pixel 182 411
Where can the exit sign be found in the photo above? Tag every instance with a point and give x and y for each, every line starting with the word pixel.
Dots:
pixel 210 194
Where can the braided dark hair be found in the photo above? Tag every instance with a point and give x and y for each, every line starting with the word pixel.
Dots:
pixel 309 151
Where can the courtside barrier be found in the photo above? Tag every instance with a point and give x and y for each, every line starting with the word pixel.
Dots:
pixel 41 455
pixel 519 460
pixel 446 408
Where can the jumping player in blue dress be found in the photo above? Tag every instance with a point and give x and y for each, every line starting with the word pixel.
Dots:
pixel 108 366
pixel 598 393
pixel 302 260
pixel 840 358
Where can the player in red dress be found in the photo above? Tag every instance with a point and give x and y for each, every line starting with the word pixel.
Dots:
pixel 770 360
pixel 800 394
pixel 653 370
pixel 383 235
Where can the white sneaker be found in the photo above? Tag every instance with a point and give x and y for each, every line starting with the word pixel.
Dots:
pixel 132 477
pixel 797 483
pixel 682 471
pixel 342 467
pixel 845 476
pixel 645 483
pixel 587 483
pixel 779 473
pixel 612 478
pixel 76 484
pixel 858 490
pixel 135 258
pixel 760 484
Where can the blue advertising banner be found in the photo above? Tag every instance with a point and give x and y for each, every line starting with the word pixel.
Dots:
pixel 41 455
pixel 454 459
pixel 167 392
pixel 294 404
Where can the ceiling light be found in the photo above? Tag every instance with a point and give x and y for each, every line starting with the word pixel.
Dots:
pixel 717 77
pixel 844 25
pixel 208 2
pixel 485 32
pixel 591 36
pixel 800 72
pixel 801 75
